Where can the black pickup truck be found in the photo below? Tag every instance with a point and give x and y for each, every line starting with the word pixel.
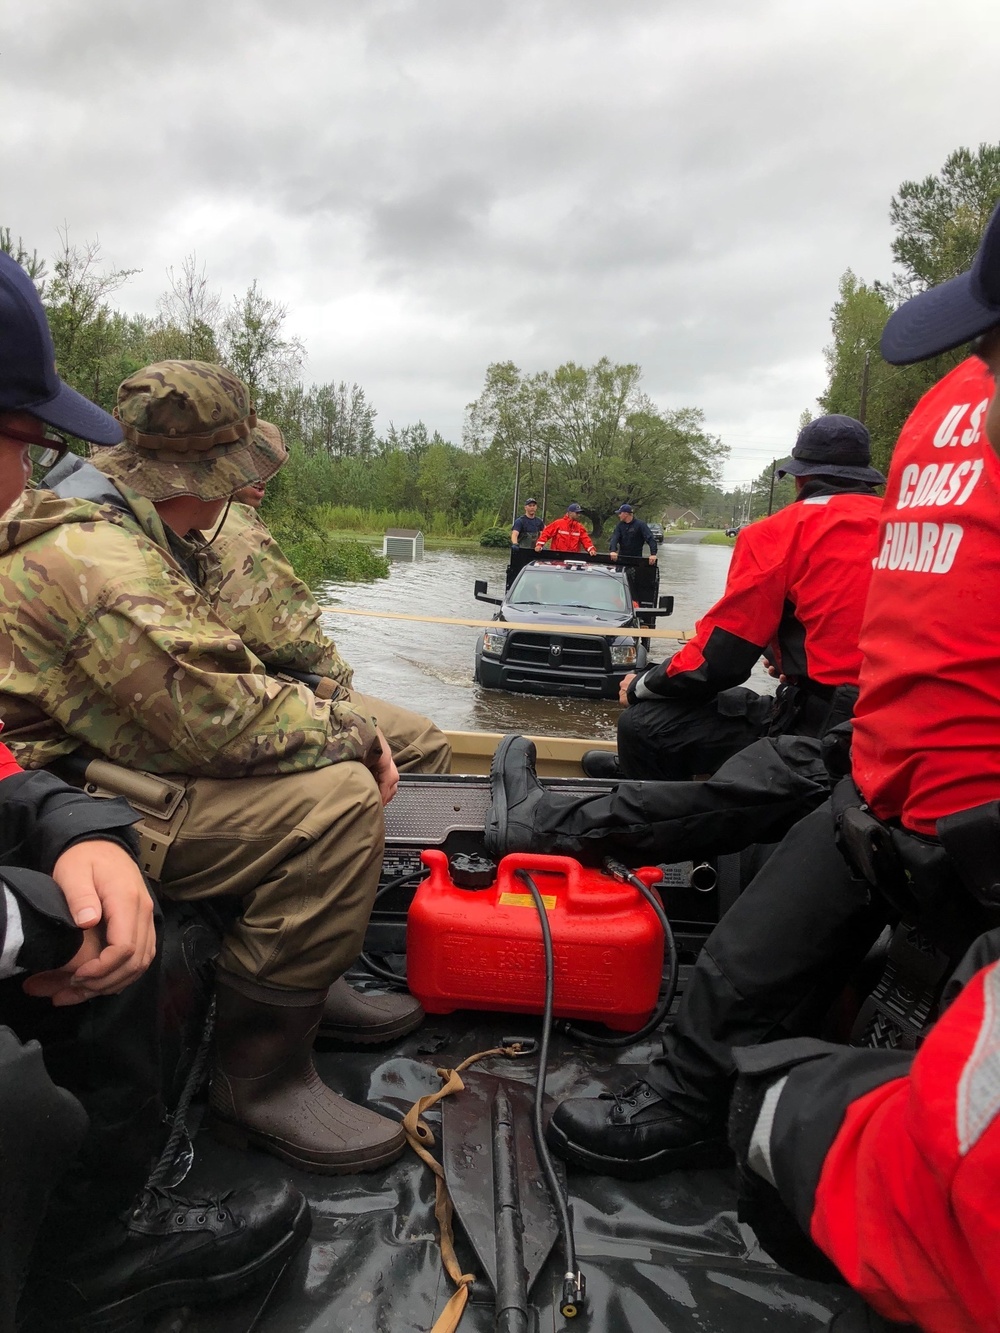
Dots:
pixel 552 588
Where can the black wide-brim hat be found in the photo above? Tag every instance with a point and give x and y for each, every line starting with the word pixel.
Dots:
pixel 952 313
pixel 833 446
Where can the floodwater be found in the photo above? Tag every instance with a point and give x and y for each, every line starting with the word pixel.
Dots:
pixel 429 667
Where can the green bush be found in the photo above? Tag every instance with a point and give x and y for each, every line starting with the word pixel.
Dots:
pixel 318 560
pixel 495 537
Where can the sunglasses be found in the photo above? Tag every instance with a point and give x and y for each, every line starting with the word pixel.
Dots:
pixel 45 452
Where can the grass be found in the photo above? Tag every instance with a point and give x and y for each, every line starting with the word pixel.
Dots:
pixel 717 539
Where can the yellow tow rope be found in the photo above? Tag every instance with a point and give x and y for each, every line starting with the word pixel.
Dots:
pixel 421 1139
pixel 681 635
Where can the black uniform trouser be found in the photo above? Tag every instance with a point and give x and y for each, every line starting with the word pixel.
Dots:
pixel 754 797
pixel 771 968
pixel 105 1053
pixel 663 740
pixel 41 1130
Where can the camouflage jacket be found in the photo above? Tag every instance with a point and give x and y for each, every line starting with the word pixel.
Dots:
pixel 261 597
pixel 109 644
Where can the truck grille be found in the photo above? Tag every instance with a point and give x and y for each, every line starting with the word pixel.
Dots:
pixel 575 652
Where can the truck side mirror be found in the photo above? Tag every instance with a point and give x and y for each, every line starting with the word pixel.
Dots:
pixel 667 605
pixel 479 592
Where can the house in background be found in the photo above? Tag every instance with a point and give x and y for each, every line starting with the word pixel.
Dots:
pixel 674 517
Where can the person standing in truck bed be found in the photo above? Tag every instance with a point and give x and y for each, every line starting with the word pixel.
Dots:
pixel 567 533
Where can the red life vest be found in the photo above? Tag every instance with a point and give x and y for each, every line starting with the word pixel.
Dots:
pixel 927 724
pixel 566 535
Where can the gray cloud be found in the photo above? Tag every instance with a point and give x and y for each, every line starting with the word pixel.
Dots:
pixel 431 185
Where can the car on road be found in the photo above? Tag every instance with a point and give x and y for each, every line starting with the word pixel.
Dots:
pixel 657 530
pixel 563 592
pixel 736 530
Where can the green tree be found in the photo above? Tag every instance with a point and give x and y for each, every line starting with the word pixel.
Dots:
pixel 192 310
pixel 254 345
pixel 938 223
pixel 604 438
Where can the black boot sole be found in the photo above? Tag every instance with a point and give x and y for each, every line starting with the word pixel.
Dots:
pixel 496 819
pixel 703 1153
pixel 194 1291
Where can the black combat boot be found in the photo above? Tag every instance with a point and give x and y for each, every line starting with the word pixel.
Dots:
pixel 515 796
pixel 635 1133
pixel 601 764
pixel 168 1250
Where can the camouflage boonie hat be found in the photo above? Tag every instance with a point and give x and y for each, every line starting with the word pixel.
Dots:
pixel 189 429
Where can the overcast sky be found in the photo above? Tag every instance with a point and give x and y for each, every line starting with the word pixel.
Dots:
pixel 432 185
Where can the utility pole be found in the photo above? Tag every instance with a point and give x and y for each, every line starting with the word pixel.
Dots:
pixel 517 485
pixel 545 480
pixel 770 494
pixel 864 388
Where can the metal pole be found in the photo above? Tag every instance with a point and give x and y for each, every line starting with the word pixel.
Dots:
pixel 517 486
pixel 545 480
pixel 770 494
pixel 862 410
pixel 512 1284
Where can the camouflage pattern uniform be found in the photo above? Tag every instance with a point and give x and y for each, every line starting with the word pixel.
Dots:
pixel 113 647
pixel 258 594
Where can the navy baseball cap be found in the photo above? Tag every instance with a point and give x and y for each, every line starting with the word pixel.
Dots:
pixel 952 313
pixel 833 446
pixel 28 379
pixel 574 508
pixel 625 509
pixel 531 500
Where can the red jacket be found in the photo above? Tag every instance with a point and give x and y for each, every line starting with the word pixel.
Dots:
pixel 8 764
pixel 796 588
pixel 566 534
pixel 927 724
pixel 908 1201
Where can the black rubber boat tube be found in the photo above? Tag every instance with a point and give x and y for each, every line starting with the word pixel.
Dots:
pixel 574 1283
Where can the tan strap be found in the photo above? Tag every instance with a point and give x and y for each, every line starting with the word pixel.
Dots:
pixel 421 1139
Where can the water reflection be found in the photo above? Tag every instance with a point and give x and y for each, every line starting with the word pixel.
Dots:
pixel 429 667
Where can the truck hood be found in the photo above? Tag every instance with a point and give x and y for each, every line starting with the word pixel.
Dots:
pixel 570 615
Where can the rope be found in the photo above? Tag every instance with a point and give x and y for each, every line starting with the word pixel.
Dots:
pixel 193 1082
pixel 593 631
pixel 421 1139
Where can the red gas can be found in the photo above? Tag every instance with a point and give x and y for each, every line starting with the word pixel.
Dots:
pixel 482 948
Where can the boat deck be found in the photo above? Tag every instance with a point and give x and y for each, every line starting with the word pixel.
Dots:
pixel 665 1254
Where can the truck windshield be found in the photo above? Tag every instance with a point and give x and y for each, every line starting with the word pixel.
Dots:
pixel 559 587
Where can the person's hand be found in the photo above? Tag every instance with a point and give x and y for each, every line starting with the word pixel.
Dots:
pixel 108 899
pixel 57 985
pixel 613 555
pixel 538 547
pixel 626 681
pixel 385 770
pixel 772 670
pixel 652 559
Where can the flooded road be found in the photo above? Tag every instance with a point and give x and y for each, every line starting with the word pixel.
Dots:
pixel 429 667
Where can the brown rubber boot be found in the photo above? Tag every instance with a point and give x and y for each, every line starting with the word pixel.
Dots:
pixel 362 1018
pixel 266 1091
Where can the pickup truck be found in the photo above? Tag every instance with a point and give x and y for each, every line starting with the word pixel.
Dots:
pixel 555 589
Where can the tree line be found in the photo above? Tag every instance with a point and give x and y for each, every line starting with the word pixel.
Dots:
pixel 583 433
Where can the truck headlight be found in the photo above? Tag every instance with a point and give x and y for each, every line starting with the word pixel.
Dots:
pixel 494 640
pixel 623 654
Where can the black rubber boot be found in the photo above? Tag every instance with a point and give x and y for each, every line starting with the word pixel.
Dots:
pixel 634 1134
pixel 600 764
pixel 171 1250
pixel 515 792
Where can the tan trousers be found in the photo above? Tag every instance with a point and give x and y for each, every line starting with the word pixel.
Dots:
pixel 417 745
pixel 302 853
